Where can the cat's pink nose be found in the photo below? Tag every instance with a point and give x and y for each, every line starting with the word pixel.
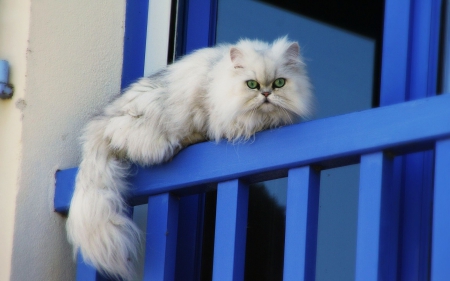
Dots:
pixel 266 94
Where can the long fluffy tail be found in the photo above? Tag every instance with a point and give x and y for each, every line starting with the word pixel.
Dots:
pixel 98 222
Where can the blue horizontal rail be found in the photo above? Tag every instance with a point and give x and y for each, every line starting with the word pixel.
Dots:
pixel 410 125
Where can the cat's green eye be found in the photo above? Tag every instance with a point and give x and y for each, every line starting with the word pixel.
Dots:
pixel 278 83
pixel 252 84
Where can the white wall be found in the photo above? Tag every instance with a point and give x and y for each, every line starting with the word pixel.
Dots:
pixel 66 60
pixel 14 23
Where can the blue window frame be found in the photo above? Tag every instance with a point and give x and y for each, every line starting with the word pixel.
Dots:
pixel 403 148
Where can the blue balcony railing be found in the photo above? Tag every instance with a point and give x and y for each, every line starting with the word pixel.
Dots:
pixel 372 138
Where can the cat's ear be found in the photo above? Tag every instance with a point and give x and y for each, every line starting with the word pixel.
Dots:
pixel 236 57
pixel 292 53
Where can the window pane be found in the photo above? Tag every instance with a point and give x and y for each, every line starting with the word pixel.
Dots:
pixel 340 63
pixel 336 237
pixel 265 230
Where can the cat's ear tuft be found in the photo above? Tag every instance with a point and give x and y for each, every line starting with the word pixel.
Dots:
pixel 236 57
pixel 292 53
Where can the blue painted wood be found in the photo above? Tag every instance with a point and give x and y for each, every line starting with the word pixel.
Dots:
pixel 160 248
pixel 65 185
pixel 395 52
pixel 378 216
pixel 435 22
pixel 86 272
pixel 302 210
pixel 423 58
pixel 201 24
pixel 446 46
pixel 416 216
pixel 395 71
pixel 311 142
pixel 410 65
pixel 196 29
pixel 134 41
pixel 231 231
pixel 440 269
pixel 189 243
pixel 417 169
pixel 330 138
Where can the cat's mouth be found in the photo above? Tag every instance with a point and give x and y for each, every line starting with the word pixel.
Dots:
pixel 266 105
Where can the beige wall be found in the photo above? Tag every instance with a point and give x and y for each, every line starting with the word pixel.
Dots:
pixel 66 59
pixel 14 23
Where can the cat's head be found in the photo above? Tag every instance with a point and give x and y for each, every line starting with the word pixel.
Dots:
pixel 268 85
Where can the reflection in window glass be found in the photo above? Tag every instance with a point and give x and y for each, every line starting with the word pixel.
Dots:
pixel 265 231
pixel 339 63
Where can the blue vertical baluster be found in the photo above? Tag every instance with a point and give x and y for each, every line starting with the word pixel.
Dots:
pixel 190 226
pixel 378 216
pixel 302 209
pixel 418 167
pixel 231 231
pixel 134 41
pixel 160 249
pixel 410 51
pixel 196 29
pixel 440 256
pixel 86 272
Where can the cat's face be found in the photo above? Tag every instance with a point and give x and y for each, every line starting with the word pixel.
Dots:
pixel 260 86
pixel 270 79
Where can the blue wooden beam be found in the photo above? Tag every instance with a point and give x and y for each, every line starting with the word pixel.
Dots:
pixel 303 144
pixel 440 254
pixel 302 211
pixel 160 247
pixel 378 217
pixel 231 231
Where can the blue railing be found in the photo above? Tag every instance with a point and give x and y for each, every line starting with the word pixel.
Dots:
pixel 372 138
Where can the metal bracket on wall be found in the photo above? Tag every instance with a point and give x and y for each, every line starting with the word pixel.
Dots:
pixel 6 89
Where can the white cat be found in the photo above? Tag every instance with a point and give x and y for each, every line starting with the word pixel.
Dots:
pixel 228 91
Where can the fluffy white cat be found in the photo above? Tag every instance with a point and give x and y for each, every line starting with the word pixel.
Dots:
pixel 228 91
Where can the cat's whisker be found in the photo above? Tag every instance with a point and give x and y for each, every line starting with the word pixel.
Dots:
pixel 286 106
pixel 288 116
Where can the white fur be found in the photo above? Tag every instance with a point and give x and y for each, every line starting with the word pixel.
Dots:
pixel 202 96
